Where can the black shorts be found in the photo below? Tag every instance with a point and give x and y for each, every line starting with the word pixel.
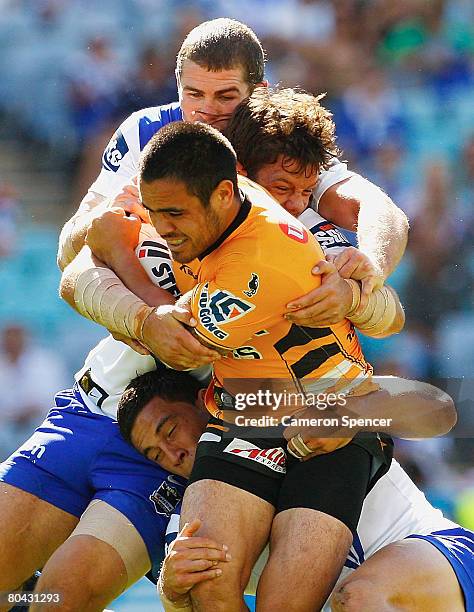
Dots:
pixel 335 483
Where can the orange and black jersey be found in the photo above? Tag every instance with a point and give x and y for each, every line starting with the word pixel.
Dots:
pixel 240 289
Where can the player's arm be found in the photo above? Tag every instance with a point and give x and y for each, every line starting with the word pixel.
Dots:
pixel 98 294
pixel 358 205
pixel 190 560
pixel 118 170
pixel 382 314
pixel 73 233
pixel 402 408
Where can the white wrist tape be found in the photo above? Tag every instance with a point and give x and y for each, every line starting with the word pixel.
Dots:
pixel 101 296
pixel 379 313
pixel 184 605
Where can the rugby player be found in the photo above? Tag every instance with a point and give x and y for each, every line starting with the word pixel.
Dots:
pixel 404 552
pixel 228 235
pixel 218 65
pixel 47 494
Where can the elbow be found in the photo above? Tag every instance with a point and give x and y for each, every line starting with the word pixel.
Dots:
pixel 447 413
pixel 443 410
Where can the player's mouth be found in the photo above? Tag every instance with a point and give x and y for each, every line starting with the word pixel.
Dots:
pixel 175 244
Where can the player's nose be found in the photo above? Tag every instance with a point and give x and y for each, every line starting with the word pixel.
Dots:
pixel 176 455
pixel 295 204
pixel 163 226
pixel 207 111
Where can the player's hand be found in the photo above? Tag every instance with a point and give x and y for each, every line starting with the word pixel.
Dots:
pixel 134 344
pixel 129 200
pixel 352 263
pixel 306 442
pixel 166 337
pixel 190 560
pixel 326 305
pixel 112 233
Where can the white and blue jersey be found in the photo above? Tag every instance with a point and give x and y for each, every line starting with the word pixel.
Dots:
pixel 393 510
pixel 120 158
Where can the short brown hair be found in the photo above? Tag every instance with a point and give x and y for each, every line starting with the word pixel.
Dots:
pixel 282 122
pixel 223 44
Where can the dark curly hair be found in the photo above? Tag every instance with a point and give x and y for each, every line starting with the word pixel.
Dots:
pixel 286 122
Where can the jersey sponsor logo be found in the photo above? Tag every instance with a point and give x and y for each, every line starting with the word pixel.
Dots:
pixel 115 152
pixel 163 271
pixel 187 270
pixel 228 307
pixel 253 285
pixel 272 458
pixel 165 498
pixel 329 236
pixel 295 232
pixel 206 316
pixel 246 352
pixel 219 308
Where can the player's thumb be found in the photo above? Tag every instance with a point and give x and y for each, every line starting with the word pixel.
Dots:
pixel 189 529
pixel 184 316
pixel 324 267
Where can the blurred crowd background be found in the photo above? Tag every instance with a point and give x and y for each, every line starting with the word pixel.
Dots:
pixel 399 78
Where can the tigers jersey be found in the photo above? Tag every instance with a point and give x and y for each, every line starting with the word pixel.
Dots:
pixel 120 158
pixel 240 288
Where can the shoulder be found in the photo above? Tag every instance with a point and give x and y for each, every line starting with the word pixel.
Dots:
pixel 148 121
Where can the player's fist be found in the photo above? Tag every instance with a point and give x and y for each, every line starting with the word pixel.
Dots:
pixel 111 233
pixel 352 263
pixel 129 200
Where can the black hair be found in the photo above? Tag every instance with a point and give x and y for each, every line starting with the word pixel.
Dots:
pixel 192 153
pixel 165 383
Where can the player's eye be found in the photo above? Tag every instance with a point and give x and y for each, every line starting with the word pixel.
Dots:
pixel 194 94
pixel 281 189
pixel 176 213
pixel 226 98
pixel 170 433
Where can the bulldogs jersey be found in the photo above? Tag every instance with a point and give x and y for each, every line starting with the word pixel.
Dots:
pixel 240 288
pixel 120 158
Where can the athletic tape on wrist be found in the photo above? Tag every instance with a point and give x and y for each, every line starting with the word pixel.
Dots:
pixel 381 314
pixel 170 606
pixel 356 293
pixel 100 295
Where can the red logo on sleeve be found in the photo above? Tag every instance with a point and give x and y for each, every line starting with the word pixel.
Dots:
pixel 295 232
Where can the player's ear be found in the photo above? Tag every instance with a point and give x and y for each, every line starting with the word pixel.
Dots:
pixel 223 194
pixel 240 169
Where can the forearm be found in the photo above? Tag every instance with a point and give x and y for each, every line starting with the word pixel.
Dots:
pixel 73 234
pixel 412 409
pixel 98 294
pixel 132 275
pixel 382 229
pixel 358 205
